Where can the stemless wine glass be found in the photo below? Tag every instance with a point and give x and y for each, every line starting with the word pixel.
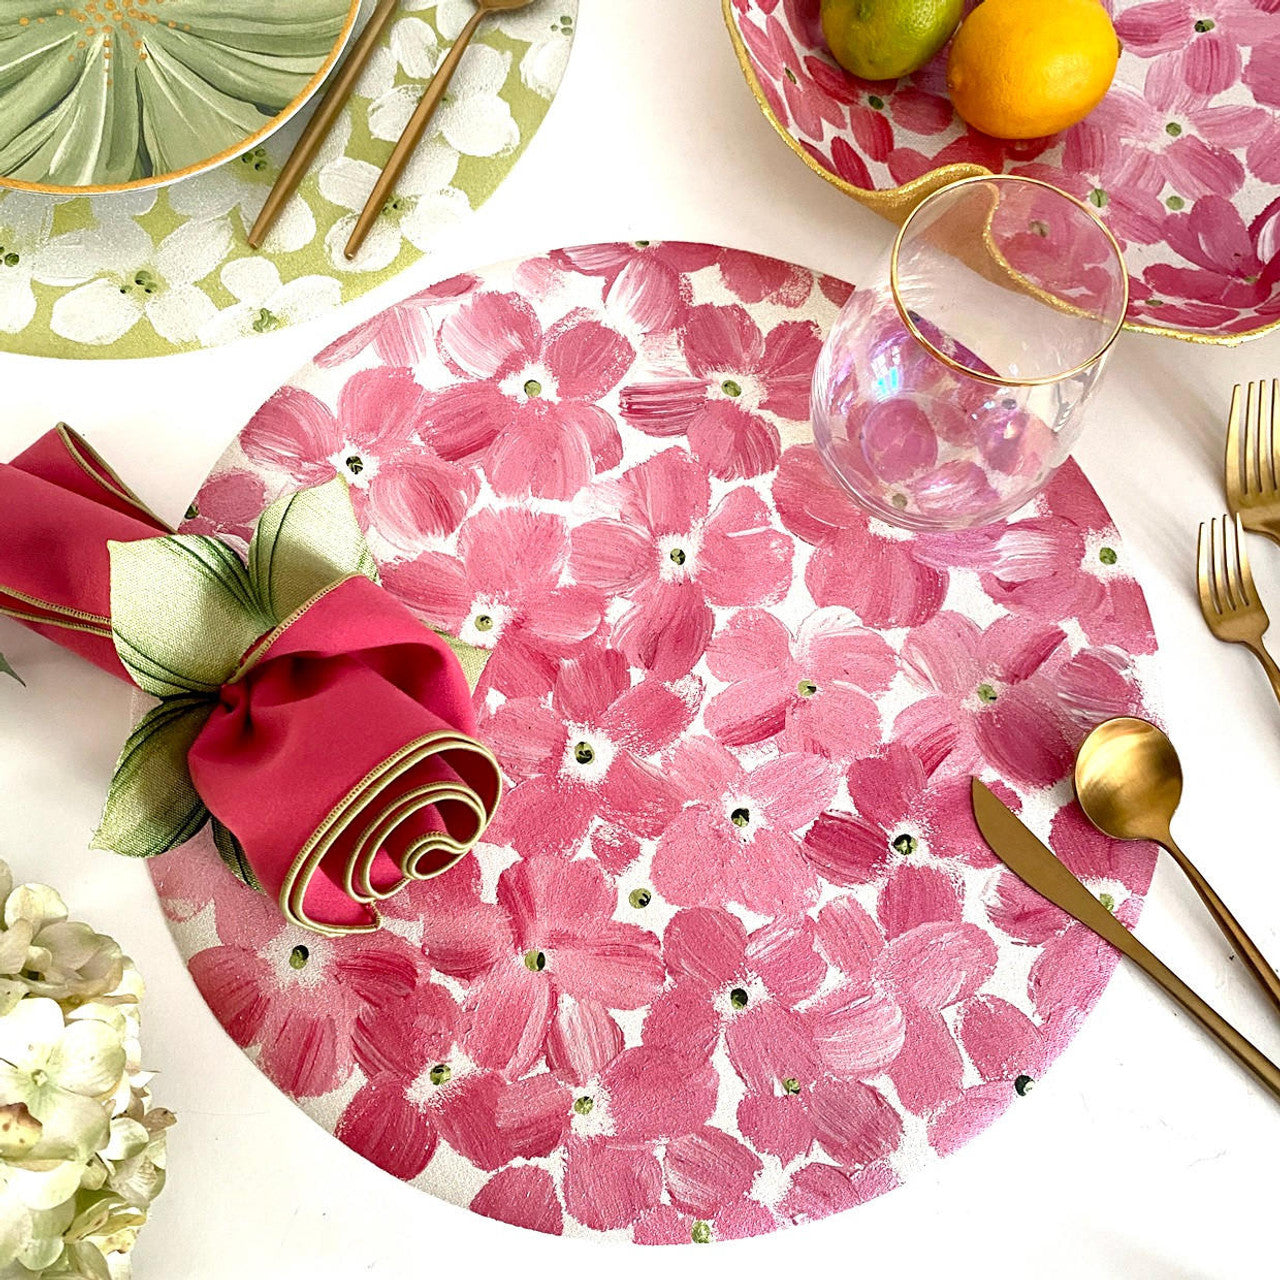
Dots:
pixel 951 388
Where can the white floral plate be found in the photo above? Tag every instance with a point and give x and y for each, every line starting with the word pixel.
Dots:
pixel 144 273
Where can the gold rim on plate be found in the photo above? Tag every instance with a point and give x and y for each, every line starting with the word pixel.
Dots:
pixel 896 203
pixel 277 121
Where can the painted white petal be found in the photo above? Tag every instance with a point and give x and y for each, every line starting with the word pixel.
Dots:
pixel 28 216
pixel 306 298
pixel 452 16
pixel 293 229
pixel 121 206
pixel 251 279
pixel 389 114
pixel 543 66
pixel 347 182
pixel 431 169
pixel 335 145
pixel 431 214
pixel 69 259
pixel 210 195
pixel 415 47
pixel 380 248
pixel 229 324
pixel 379 74
pixel 484 70
pixel 178 313
pixel 17 301
pixel 479 126
pixel 28 1035
pixel 194 250
pixel 533 23
pixel 88 1059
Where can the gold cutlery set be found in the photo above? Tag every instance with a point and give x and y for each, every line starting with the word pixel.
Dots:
pixel 1128 779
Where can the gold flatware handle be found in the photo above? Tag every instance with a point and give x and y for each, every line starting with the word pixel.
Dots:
pixel 1032 861
pixel 322 120
pixel 412 134
pixel 1268 665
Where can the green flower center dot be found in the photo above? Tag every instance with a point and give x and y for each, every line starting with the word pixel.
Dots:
pixel 533 388
pixel 791 75
pixel 677 555
pixel 791 1085
pixel 740 817
pixel 806 688
pixel 440 1073
pixel 535 961
pixel 584 753
pixel 192 512
pixel 876 102
pixel 265 321
pixel 639 898
pixel 1253 279
pixel 899 500
pixel 1173 129
pixel 396 204
pixel 39 1078
pixel 1107 900
pixel 354 464
pixel 583 1105
pixel 738 998
pixel 143 281
pixel 700 1232
pixel 1038 227
pixel 255 159
pixel 1155 302
pixel 11 259
pixel 1023 1086
pixel 298 957
pixel 1098 198
pixel 1107 555
pixel 1175 203
pixel 731 388
pixel 484 622
pixel 987 693
pixel 642 244
pixel 905 844
pixel 1205 24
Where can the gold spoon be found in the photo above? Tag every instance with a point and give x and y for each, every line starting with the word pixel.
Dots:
pixel 1129 782
pixel 418 122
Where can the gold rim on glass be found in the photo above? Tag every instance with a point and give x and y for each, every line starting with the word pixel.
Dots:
pixel 895 203
pixel 277 121
pixel 995 378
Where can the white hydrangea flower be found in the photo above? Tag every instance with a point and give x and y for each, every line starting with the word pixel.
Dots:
pixel 264 303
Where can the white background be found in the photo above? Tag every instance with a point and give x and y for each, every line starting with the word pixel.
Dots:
pixel 1145 1152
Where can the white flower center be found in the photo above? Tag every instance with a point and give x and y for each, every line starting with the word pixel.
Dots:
pixel 533 382
pixel 1102 555
pixel 298 959
pixel 589 1116
pixel 678 555
pixel 742 389
pixel 587 755
pixel 485 622
pixel 353 463
pixel 740 995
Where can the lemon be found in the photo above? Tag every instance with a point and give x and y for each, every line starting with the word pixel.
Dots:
pixel 884 39
pixel 1028 68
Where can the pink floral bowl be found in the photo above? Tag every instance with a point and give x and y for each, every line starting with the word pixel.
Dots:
pixel 734 955
pixel 1182 157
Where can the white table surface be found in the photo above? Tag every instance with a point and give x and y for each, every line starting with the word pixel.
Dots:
pixel 1144 1152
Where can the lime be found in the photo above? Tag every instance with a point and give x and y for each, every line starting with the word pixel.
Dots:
pixel 884 39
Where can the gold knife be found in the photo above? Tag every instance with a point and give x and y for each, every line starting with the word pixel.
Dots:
pixel 1032 862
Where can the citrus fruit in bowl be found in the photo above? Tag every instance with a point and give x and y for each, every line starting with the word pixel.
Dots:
pixel 885 39
pixel 1030 68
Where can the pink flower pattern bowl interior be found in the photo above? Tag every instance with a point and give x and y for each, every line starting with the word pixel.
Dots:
pixel 734 955
pixel 1181 159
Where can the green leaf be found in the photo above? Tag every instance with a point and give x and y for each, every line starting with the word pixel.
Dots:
pixel 305 542
pixel 231 851
pixel 182 612
pixel 7 670
pixel 152 805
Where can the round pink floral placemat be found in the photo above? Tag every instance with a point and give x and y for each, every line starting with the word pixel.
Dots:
pixel 734 955
pixel 1181 158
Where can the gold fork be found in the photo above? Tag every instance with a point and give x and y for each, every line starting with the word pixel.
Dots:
pixel 1228 598
pixel 1253 458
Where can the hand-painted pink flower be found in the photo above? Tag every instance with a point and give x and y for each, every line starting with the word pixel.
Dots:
pixel 986 699
pixel 738 841
pixel 675 558
pixel 527 407
pixel 1009 1051
pixel 921 972
pixel 523 1195
pixel 645 280
pixel 862 99
pixel 810 693
pixel 502 592
pixel 736 1219
pixel 903 813
pixel 1262 75
pixel 647 1096
pixel 738 374
pixel 229 502
pixel 294 994
pixel 400 335
pixel 419 1090
pixel 880 575
pixel 584 757
pixel 1202 40
pixel 819 1189
pixel 564 942
pixel 408 493
pixel 752 278
pixel 788 82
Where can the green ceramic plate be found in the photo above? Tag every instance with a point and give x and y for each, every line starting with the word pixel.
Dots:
pixel 104 95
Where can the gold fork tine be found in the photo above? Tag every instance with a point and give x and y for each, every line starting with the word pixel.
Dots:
pixel 1275 416
pixel 1235 451
pixel 1204 582
pixel 1238 558
pixel 1252 421
pixel 1249 591
pixel 1225 596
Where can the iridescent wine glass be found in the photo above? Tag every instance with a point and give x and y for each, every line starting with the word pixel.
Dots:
pixel 953 383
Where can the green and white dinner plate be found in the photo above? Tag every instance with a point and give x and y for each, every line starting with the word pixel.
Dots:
pixel 107 95
pixel 155 271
